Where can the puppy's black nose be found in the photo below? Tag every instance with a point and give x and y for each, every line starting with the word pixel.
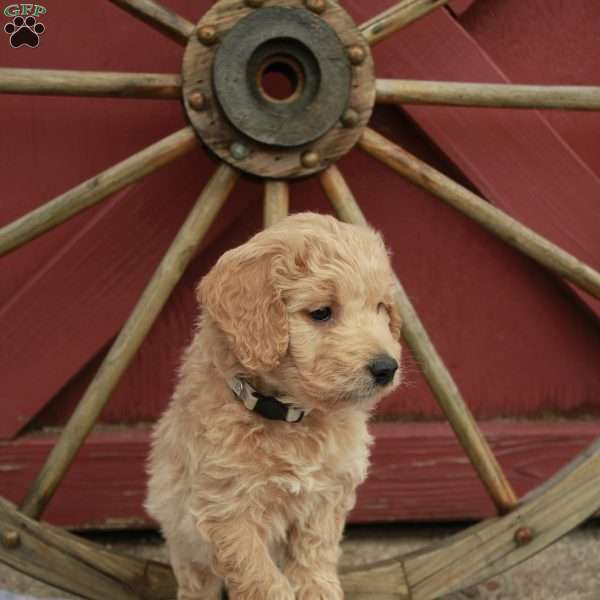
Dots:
pixel 383 369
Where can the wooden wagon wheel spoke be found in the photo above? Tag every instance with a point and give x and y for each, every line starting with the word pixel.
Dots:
pixel 502 95
pixel 97 188
pixel 130 338
pixel 48 82
pixel 277 202
pixel 494 220
pixel 436 373
pixel 398 16
pixel 158 17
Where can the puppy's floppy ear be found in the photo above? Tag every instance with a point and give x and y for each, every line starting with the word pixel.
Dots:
pixel 239 295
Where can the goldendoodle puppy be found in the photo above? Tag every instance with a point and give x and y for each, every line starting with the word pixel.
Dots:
pixel 255 463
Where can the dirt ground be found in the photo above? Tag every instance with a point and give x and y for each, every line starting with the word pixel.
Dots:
pixel 569 570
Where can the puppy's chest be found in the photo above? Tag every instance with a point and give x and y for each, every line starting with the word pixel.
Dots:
pixel 297 474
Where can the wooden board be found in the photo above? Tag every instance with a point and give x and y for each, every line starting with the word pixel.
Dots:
pixel 506 154
pixel 419 473
pixel 506 30
pixel 459 7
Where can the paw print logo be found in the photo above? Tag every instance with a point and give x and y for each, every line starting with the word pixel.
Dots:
pixel 24 32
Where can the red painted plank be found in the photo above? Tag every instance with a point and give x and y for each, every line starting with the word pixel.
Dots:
pixel 459 7
pixel 419 473
pixel 517 160
pixel 569 45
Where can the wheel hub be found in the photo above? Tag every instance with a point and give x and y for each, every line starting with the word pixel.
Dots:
pixel 278 91
pixel 303 49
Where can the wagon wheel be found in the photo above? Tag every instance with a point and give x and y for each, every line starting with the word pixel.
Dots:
pixel 325 60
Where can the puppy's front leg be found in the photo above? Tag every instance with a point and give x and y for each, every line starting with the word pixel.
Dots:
pixel 195 581
pixel 313 551
pixel 242 559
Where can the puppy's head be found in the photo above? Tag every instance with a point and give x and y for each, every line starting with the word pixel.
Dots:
pixel 307 307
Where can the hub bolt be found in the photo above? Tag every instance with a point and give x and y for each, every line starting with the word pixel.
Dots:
pixel 310 160
pixel 356 54
pixel 197 100
pixel 207 34
pixel 350 118
pixel 239 151
pixel 523 535
pixel 317 6
pixel 11 539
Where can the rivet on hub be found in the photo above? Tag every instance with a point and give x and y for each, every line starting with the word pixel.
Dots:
pixel 197 100
pixel 317 6
pixel 350 118
pixel 11 539
pixel 207 34
pixel 523 535
pixel 310 160
pixel 254 3
pixel 239 151
pixel 356 54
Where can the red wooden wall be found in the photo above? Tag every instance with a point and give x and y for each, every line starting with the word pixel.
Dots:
pixel 523 347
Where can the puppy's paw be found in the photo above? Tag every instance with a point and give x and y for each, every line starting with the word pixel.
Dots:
pixel 320 591
pixel 314 585
pixel 280 590
pixel 283 591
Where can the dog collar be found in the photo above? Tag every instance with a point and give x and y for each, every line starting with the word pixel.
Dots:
pixel 266 406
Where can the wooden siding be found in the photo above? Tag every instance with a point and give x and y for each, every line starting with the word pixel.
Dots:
pixel 419 472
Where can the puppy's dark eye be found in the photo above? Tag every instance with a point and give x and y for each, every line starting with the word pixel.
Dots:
pixel 321 314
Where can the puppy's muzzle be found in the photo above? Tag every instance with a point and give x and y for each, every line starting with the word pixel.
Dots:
pixel 383 369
